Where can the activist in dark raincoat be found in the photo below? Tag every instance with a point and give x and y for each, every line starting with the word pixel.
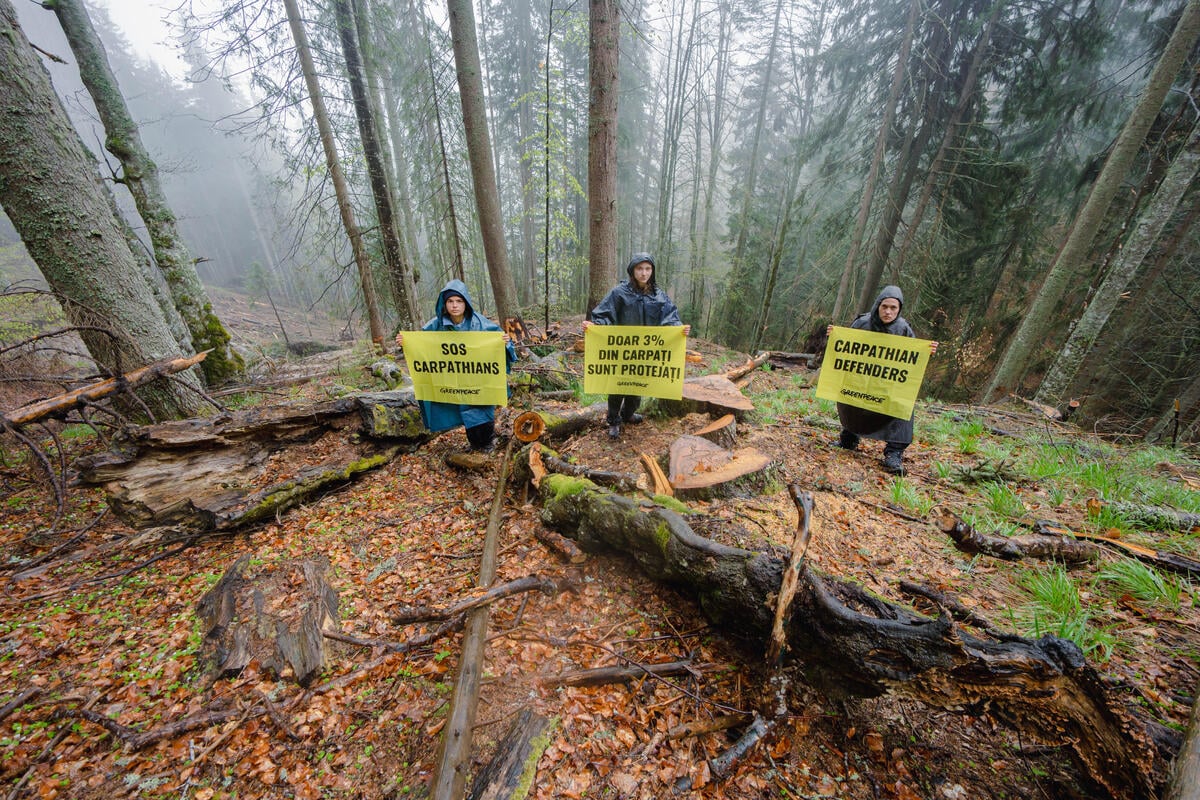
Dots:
pixel 478 420
pixel 859 422
pixel 637 301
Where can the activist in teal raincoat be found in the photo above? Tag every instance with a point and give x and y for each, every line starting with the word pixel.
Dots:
pixel 454 312
pixel 857 423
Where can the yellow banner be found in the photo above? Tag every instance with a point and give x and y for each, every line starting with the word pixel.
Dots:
pixel 451 367
pixel 876 371
pixel 633 359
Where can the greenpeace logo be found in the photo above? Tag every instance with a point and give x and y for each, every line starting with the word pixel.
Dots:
pixel 642 384
pixel 459 391
pixel 863 396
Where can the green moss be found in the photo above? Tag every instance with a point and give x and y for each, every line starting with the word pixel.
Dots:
pixel 562 486
pixel 670 502
pixel 662 537
pixel 291 492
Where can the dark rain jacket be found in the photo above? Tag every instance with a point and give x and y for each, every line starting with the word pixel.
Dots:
pixel 625 305
pixel 872 424
pixel 444 416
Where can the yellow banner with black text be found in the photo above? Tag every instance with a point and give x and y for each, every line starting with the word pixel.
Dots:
pixel 457 367
pixel 633 359
pixel 876 371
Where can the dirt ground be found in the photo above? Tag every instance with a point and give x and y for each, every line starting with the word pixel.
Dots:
pixel 104 639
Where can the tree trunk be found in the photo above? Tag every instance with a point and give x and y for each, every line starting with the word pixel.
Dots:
pixel 1150 224
pixel 885 235
pixel 140 176
pixel 950 134
pixel 53 196
pixel 1031 332
pixel 885 126
pixel 451 216
pixel 852 642
pixel 479 151
pixel 403 289
pixel 340 187
pixel 604 63
pixel 739 251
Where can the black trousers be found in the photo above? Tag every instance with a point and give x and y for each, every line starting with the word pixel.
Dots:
pixel 621 407
pixel 850 440
pixel 481 435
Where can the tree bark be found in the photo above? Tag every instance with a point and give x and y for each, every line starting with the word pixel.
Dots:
pixel 340 187
pixel 860 644
pixel 349 22
pixel 140 176
pixel 885 126
pixel 479 152
pixel 1032 329
pixel 1150 224
pixel 52 193
pixel 603 71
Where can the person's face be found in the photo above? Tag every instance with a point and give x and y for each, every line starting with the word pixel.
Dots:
pixel 456 307
pixel 889 309
pixel 642 273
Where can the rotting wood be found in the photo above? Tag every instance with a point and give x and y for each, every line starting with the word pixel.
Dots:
pixel 1171 562
pixel 790 358
pixel 1045 546
pixel 284 633
pixel 600 676
pixel 619 481
pixel 1185 773
pixel 454 748
pixel 561 546
pixel 61 404
pixel 957 609
pixel 1152 517
pixel 716 724
pixel 509 775
pixel 224 472
pixel 855 643
pixel 791 572
pixel 406 615
pixel 19 700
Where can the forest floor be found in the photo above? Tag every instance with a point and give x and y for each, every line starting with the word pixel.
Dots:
pixel 111 628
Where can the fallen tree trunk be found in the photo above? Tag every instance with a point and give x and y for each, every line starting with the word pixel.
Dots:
pixel 510 773
pixel 235 469
pixel 1162 559
pixel 1043 545
pixel 853 642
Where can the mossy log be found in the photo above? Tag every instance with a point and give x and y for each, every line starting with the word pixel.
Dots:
pixel 276 618
pixel 223 472
pixel 852 642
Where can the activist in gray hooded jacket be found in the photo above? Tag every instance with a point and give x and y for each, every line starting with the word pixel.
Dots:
pixel 859 422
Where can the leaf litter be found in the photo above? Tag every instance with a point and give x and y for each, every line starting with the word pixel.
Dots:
pixel 130 650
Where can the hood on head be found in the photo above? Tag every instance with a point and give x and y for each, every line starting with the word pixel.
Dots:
pixel 454 287
pixel 638 258
pixel 892 292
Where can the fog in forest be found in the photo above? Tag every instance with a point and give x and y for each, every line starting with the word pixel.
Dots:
pixel 780 160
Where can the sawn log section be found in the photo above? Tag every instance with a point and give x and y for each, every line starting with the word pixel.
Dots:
pixel 852 642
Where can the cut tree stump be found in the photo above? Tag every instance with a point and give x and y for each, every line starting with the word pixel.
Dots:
pixel 853 642
pixel 700 470
pixel 708 394
pixel 235 469
pixel 275 618
pixel 722 431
